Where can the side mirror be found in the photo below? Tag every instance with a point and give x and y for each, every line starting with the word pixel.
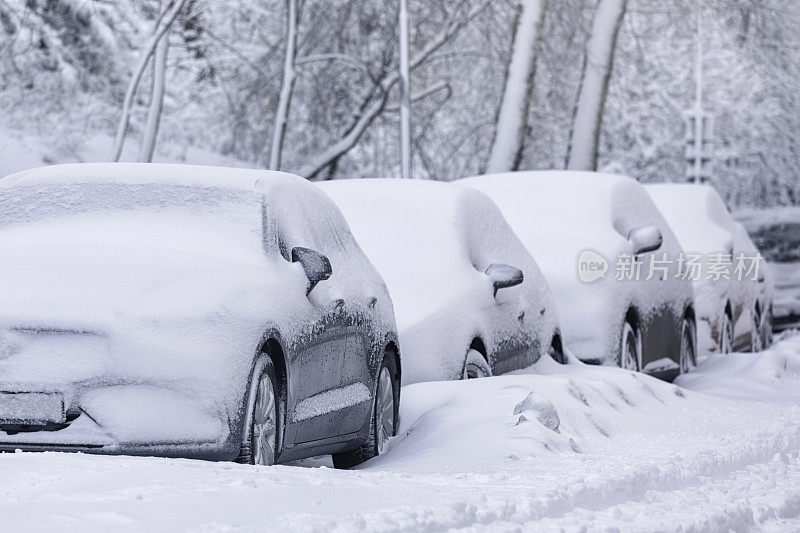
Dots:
pixel 504 276
pixel 317 266
pixel 645 239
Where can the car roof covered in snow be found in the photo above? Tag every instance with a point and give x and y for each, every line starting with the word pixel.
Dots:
pixel 697 215
pixel 153 174
pixel 559 213
pixel 429 240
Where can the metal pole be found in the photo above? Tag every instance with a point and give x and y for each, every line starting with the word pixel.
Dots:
pixel 405 103
pixel 698 131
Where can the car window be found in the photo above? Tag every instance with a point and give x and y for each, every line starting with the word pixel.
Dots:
pixel 21 204
pixel 778 243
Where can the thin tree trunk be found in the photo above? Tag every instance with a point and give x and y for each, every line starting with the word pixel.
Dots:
pixel 374 105
pixel 156 101
pixel 287 86
pixel 512 116
pixel 405 103
pixel 597 66
pixel 122 127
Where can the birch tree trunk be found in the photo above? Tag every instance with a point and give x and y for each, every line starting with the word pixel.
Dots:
pixel 156 101
pixel 147 53
pixel 598 63
pixel 287 86
pixel 512 116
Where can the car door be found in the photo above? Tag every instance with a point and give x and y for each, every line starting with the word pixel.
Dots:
pixel 510 342
pixel 320 365
pixel 356 367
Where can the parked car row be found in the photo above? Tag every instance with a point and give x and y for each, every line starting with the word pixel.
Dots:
pixel 253 316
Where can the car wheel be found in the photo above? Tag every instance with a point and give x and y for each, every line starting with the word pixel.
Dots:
pixel 260 445
pixel 557 352
pixel 756 340
pixel 630 348
pixel 383 420
pixel 475 366
pixel 688 346
pixel 726 334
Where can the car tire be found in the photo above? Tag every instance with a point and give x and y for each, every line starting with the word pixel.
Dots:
pixel 261 440
pixel 630 348
pixel 756 338
pixel 557 351
pixel 383 418
pixel 475 366
pixel 688 355
pixel 726 334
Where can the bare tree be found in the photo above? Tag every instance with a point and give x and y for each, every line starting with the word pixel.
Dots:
pixel 598 63
pixel 156 101
pixel 375 101
pixel 287 86
pixel 163 24
pixel 512 115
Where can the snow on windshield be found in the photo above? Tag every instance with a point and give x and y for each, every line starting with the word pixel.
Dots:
pixel 32 203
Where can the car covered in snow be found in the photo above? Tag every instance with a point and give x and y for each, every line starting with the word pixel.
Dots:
pixel 189 311
pixel 776 233
pixel 609 257
pixel 728 309
pixel 470 300
pixel 765 293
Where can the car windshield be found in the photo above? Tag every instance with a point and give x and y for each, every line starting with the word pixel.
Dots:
pixel 22 204
pixel 779 243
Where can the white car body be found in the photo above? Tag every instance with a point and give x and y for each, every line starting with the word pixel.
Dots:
pixel 432 243
pixel 559 216
pixel 141 294
pixel 704 227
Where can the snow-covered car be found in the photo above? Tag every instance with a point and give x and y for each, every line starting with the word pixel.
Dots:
pixel 776 233
pixel 189 311
pixel 470 300
pixel 728 313
pixel 591 233
pixel 765 294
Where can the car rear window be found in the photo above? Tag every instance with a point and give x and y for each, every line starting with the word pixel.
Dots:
pixel 20 204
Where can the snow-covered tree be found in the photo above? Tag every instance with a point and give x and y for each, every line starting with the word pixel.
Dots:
pixel 598 64
pixel 512 115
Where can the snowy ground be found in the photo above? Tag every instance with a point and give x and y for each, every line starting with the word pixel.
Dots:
pixel 719 452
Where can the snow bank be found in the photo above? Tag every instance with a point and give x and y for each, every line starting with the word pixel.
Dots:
pixel 630 453
pixel 771 376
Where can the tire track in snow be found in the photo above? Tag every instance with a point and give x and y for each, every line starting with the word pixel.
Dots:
pixel 755 471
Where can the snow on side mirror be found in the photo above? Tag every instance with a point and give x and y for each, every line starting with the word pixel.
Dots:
pixel 316 266
pixel 645 239
pixel 504 276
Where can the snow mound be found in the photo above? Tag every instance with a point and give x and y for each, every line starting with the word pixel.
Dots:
pixel 634 453
pixel 772 375
pixel 540 407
